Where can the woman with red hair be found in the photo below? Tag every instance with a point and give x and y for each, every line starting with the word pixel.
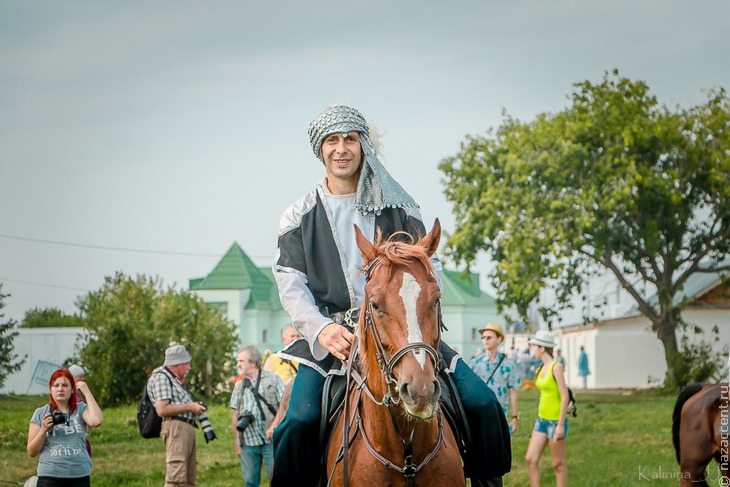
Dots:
pixel 58 433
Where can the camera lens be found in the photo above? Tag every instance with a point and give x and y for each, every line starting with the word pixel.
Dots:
pixel 243 423
pixel 208 432
pixel 59 418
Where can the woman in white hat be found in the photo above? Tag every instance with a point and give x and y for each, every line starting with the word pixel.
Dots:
pixel 552 410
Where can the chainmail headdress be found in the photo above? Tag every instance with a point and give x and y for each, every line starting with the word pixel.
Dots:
pixel 377 189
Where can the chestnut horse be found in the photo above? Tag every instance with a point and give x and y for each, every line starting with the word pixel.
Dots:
pixel 396 432
pixel 701 432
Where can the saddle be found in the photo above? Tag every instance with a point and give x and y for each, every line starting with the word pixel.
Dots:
pixel 333 395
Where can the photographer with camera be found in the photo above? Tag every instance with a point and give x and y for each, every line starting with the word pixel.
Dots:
pixel 178 410
pixel 254 401
pixel 57 433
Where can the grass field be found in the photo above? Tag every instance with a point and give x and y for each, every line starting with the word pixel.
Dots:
pixel 618 439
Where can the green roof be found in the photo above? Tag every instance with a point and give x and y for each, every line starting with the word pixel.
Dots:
pixel 237 271
pixel 463 291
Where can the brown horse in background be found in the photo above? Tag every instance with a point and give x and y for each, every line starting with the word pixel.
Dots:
pixel 701 432
pixel 396 433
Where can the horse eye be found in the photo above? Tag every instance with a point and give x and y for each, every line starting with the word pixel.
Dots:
pixel 376 308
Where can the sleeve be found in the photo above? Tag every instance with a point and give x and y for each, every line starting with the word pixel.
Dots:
pixel 38 415
pixel 159 388
pixel 289 271
pixel 235 395
pixel 298 301
pixel 81 407
pixel 473 364
pixel 279 388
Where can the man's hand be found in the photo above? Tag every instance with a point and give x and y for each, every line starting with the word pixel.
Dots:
pixel 337 340
pixel 196 408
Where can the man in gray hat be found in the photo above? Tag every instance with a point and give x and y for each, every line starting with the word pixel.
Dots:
pixel 317 271
pixel 177 408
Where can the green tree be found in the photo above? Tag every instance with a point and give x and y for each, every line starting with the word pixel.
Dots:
pixel 8 359
pixel 615 182
pixel 130 322
pixel 49 317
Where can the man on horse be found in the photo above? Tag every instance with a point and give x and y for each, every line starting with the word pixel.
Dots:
pixel 317 270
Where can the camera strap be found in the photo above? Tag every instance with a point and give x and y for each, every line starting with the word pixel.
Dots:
pixel 257 395
pixel 495 369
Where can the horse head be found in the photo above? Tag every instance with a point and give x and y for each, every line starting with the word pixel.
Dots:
pixel 399 321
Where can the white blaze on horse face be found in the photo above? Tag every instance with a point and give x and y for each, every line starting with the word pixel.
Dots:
pixel 409 292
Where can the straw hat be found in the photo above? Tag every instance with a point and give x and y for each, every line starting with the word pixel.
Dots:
pixel 493 327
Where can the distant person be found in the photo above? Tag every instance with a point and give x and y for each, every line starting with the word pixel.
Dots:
pixel 57 433
pixel 178 410
pixel 552 410
pixel 79 375
pixel 287 369
pixel 524 361
pixel 254 401
pixel 583 370
pixel 499 372
pixel 559 357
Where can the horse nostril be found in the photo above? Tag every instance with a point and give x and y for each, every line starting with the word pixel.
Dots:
pixel 405 395
pixel 436 389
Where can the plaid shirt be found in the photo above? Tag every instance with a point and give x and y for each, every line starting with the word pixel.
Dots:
pixel 164 385
pixel 272 390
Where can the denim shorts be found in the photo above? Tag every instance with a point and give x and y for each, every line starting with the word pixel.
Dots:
pixel 548 426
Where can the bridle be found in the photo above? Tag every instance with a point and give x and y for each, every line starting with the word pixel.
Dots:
pixel 391 397
pixel 387 364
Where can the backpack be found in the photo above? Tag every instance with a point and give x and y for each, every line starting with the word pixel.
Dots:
pixel 572 408
pixel 148 421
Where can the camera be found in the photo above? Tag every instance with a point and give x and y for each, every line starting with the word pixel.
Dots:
pixel 244 419
pixel 205 425
pixel 59 417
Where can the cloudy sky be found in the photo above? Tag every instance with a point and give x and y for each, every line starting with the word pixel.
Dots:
pixel 147 137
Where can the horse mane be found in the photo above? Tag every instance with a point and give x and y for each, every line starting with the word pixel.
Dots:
pixel 399 249
pixel 686 393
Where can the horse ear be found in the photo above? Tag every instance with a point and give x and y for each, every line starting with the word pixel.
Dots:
pixel 367 249
pixel 431 241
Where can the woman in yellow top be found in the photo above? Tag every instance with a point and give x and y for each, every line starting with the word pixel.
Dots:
pixel 552 410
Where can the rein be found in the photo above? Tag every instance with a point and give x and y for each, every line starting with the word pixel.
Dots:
pixel 390 399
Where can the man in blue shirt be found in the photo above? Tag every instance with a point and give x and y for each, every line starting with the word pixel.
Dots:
pixel 498 371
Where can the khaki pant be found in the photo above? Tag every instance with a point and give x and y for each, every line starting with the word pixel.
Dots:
pixel 179 438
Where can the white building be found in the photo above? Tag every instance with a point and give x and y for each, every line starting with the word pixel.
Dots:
pixel 623 351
